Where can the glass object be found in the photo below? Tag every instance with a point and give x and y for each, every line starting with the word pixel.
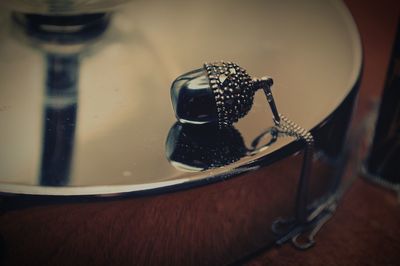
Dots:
pixel 193 99
pixel 382 165
pixel 62 7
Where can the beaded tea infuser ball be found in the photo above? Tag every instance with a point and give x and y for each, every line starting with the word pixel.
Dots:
pixel 220 92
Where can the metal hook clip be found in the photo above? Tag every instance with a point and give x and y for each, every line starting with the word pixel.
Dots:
pixel 315 226
pixel 265 83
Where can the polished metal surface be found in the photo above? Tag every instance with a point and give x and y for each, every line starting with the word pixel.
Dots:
pixel 106 131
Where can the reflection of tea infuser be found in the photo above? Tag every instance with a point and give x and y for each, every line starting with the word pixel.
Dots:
pixel 201 147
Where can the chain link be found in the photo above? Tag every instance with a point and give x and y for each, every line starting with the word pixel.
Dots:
pixel 290 128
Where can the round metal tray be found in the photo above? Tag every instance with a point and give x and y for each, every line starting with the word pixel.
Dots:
pixel 121 109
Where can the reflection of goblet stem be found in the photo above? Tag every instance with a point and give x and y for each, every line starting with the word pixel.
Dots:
pixel 62 39
pixel 60 118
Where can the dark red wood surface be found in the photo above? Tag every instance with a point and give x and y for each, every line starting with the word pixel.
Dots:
pixel 210 225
